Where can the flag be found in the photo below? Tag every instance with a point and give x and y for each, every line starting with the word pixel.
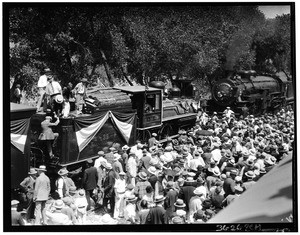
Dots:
pixel 18 133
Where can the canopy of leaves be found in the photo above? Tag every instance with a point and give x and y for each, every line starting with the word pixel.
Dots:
pixel 142 42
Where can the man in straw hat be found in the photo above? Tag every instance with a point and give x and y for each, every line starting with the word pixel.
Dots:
pixel 131 168
pixel 61 185
pixel 41 194
pixel 130 209
pixel 250 180
pixel 28 185
pixel 157 214
pixel 140 187
pixel 80 94
pixel 16 218
pixel 120 188
pixel 57 217
pixel 187 191
pixel 195 203
pixel 81 205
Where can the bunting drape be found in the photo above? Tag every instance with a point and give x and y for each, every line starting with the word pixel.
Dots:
pixel 18 133
pixel 87 127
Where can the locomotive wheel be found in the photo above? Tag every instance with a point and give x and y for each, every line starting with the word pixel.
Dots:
pixel 165 131
pixel 143 135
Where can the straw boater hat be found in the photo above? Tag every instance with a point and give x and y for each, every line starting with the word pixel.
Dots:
pixel 250 162
pixel 59 99
pixel 177 220
pixel 125 147
pixel 14 202
pixel 131 198
pixel 179 203
pixel 152 170
pixel 238 189
pixel 190 179
pixel 101 154
pixel 159 198
pixel 72 189
pixel 198 192
pixel 59 204
pixel 63 171
pixel 81 192
pixel 143 175
pixel 32 171
pixel 107 219
pixel 42 168
pixel 250 174
pixel 216 171
pixel 122 173
pixel 112 149
pixel 154 134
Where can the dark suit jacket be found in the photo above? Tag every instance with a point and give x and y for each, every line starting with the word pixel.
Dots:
pixel 156 216
pixel 90 178
pixel 152 180
pixel 109 184
pixel 228 187
pixel 186 192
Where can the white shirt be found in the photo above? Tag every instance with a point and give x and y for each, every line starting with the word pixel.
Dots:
pixel 216 155
pixel 98 161
pixel 132 166
pixel 42 81
pixel 120 185
pixel 53 88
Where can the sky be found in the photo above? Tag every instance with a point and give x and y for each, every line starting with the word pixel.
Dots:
pixel 272 11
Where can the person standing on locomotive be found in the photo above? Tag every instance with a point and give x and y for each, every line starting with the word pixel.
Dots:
pixel 42 83
pixel 80 94
pixel 54 94
pixel 17 94
pixel 47 133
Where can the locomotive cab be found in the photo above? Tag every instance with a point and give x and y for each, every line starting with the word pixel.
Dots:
pixel 147 102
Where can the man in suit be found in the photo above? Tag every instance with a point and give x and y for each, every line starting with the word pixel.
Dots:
pixel 109 184
pixel 90 180
pixel 28 185
pixel 41 195
pixel 16 218
pixel 157 214
pixel 187 191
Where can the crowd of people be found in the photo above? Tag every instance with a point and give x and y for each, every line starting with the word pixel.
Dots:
pixel 187 179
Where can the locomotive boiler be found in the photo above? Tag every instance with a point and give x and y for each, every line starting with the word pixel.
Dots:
pixel 247 90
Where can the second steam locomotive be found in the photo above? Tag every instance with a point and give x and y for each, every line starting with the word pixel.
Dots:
pixel 256 93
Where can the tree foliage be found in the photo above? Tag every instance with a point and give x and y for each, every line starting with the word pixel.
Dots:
pixel 142 43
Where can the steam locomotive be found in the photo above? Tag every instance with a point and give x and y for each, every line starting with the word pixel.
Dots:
pixel 247 91
pixel 112 117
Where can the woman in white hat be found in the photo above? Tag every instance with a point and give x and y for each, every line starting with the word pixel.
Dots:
pixel 47 133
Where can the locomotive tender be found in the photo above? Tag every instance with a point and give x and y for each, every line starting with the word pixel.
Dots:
pixel 247 89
